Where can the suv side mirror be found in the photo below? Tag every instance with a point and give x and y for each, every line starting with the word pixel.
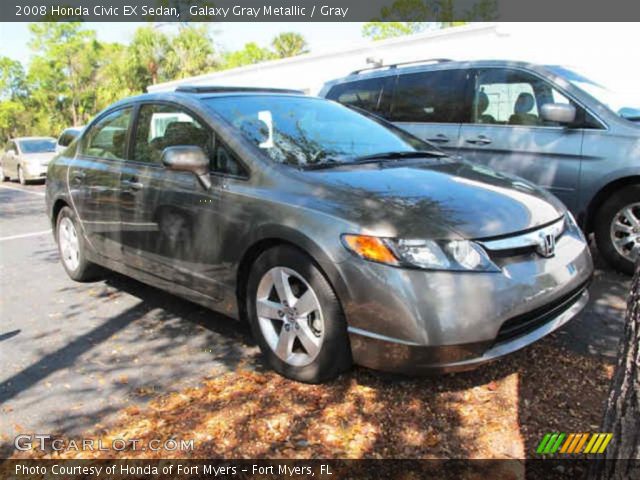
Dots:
pixel 11 152
pixel 188 158
pixel 558 112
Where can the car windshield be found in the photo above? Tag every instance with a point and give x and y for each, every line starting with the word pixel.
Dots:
pixel 306 131
pixel 622 105
pixel 37 145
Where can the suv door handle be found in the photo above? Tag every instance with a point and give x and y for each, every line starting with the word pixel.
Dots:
pixel 439 138
pixel 479 140
pixel 131 185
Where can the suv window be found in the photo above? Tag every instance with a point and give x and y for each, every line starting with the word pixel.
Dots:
pixel 161 126
pixel 437 97
pixel 512 97
pixel 365 94
pixel 108 137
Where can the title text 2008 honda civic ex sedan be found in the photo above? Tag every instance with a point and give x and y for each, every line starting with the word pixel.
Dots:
pixel 339 237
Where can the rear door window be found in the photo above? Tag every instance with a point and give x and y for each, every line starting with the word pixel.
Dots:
pixel 371 94
pixel 431 97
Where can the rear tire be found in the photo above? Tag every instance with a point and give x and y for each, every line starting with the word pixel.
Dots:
pixel 617 229
pixel 73 248
pixel 305 337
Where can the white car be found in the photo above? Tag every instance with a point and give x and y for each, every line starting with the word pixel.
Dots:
pixel 27 158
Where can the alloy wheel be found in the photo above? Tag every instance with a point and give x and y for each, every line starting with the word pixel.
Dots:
pixel 69 244
pixel 290 316
pixel 625 231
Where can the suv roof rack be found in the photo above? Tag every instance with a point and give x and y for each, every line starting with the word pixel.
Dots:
pixel 221 89
pixel 396 65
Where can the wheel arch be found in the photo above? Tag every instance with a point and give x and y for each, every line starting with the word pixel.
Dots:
pixel 58 205
pixel 603 194
pixel 289 237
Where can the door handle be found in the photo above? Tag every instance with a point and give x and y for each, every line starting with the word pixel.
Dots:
pixel 439 138
pixel 479 140
pixel 131 185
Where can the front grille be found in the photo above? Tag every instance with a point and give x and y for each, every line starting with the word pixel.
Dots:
pixel 524 242
pixel 525 323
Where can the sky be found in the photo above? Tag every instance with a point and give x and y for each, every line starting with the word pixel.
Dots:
pixel 14 37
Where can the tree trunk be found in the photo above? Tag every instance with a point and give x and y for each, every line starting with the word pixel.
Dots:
pixel 622 415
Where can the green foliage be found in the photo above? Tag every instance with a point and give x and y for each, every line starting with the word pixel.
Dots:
pixel 149 49
pixel 72 75
pixel 434 13
pixel 64 70
pixel 289 44
pixel 192 52
pixel 251 53
pixel 384 30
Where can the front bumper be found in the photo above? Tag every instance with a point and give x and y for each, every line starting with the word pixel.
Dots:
pixel 414 321
pixel 35 171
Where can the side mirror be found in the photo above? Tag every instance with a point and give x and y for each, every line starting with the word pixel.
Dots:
pixel 11 152
pixel 558 112
pixel 188 158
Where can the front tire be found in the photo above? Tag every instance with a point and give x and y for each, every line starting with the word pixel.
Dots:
pixel 3 177
pixel 617 229
pixel 296 317
pixel 72 248
pixel 21 177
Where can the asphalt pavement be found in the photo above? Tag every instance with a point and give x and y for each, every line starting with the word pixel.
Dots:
pixel 73 354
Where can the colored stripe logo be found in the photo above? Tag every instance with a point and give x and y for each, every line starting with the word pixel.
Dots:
pixel 574 443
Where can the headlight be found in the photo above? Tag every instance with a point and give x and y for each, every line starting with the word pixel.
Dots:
pixel 452 255
pixel 572 224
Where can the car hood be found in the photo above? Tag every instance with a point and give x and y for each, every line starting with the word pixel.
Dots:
pixel 44 157
pixel 432 199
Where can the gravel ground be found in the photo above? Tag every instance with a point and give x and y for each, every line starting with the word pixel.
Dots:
pixel 78 358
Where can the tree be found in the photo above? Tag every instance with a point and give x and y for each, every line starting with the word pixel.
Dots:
pixel 430 13
pixel 149 49
pixel 116 76
pixel 289 44
pixel 67 65
pixel 12 97
pixel 622 414
pixel 384 30
pixel 251 53
pixel 191 51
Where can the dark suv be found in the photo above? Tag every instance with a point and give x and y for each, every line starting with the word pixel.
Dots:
pixel 547 124
pixel 336 235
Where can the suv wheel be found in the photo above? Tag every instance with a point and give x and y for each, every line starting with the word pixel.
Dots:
pixel 617 229
pixel 296 317
pixel 72 248
pixel 3 177
pixel 21 179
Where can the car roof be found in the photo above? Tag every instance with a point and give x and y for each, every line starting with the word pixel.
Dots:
pixel 429 65
pixel 184 95
pixel 33 138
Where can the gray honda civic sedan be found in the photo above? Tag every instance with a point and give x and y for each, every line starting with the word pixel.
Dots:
pixel 339 237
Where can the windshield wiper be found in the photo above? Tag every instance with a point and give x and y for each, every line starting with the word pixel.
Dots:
pixel 399 155
pixel 325 163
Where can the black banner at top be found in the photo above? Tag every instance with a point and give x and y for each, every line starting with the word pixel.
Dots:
pixel 317 10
